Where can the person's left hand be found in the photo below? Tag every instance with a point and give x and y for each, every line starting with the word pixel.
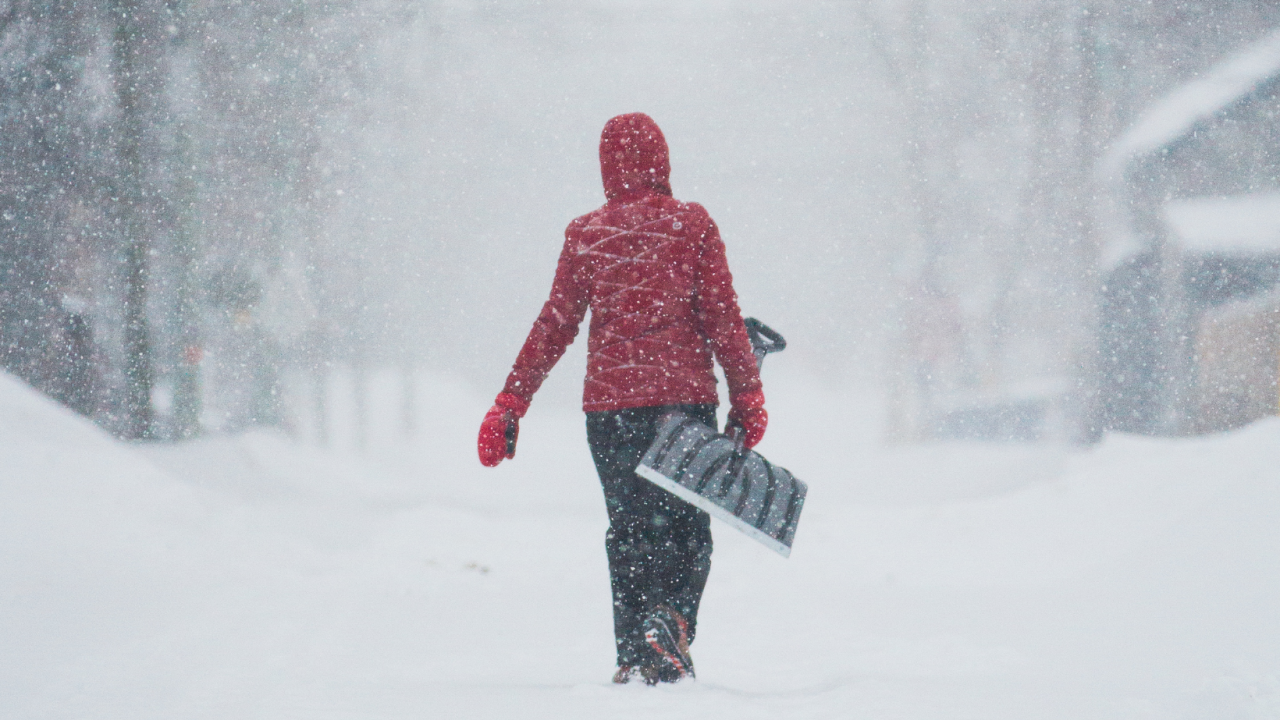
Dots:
pixel 747 415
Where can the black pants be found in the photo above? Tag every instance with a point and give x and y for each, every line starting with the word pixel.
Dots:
pixel 659 546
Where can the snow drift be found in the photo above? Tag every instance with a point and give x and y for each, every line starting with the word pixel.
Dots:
pixel 249 576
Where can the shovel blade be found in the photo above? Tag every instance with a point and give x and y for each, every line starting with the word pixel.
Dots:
pixel 740 487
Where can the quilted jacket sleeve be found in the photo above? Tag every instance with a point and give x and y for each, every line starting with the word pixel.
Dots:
pixel 721 319
pixel 553 331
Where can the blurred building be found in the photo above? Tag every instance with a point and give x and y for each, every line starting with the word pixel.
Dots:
pixel 1190 257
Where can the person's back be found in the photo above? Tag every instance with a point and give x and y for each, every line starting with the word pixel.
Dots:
pixel 652 270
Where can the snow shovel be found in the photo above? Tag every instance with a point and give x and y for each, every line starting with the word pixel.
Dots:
pixel 714 472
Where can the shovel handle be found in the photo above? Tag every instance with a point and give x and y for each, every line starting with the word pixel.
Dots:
pixel 764 339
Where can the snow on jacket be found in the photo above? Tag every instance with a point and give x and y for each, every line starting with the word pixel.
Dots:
pixel 653 272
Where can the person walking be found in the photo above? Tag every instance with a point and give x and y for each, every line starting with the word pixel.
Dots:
pixel 653 272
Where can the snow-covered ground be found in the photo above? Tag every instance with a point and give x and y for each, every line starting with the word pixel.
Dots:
pixel 252 577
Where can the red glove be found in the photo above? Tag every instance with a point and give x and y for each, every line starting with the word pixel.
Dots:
pixel 748 416
pixel 500 429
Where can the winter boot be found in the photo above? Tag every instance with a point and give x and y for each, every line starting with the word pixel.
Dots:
pixel 667 634
pixel 626 673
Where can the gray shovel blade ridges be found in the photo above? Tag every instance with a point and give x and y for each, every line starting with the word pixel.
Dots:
pixel 706 469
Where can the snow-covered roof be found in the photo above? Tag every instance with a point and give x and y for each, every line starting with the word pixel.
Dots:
pixel 1178 112
pixel 1168 119
pixel 1235 225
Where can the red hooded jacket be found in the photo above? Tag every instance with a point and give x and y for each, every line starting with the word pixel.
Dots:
pixel 653 272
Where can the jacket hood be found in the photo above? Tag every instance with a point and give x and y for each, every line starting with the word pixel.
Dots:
pixel 633 156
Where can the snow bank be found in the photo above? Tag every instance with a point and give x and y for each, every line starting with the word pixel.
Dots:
pixel 250 576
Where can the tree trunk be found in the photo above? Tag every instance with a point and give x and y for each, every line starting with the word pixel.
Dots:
pixel 128 50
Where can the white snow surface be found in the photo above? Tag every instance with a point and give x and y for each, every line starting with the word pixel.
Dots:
pixel 254 577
